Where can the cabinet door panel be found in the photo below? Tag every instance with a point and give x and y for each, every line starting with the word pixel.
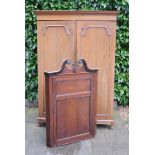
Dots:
pixel 94 41
pixel 56 43
pixel 72 117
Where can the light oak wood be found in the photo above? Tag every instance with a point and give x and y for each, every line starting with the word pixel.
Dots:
pixel 52 50
pixel 76 15
pixel 78 34
pixel 94 44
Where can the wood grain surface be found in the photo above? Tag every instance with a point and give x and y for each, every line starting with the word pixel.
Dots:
pixel 78 34
pixel 70 104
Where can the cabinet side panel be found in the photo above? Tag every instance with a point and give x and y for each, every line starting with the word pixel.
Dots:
pixel 40 68
pixel 112 70
pixel 49 111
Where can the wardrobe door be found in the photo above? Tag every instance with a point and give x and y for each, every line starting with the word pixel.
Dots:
pixel 96 44
pixel 56 42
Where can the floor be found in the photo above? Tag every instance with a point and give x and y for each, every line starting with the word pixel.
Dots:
pixel 106 141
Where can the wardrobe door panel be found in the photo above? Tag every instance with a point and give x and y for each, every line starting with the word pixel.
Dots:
pixel 94 44
pixel 57 43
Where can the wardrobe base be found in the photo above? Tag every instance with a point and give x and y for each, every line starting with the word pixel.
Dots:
pixel 41 121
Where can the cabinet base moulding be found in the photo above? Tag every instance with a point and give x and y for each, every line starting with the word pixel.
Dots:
pixel 42 121
pixel 106 122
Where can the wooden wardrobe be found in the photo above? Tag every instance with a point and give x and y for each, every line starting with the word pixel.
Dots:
pixel 90 35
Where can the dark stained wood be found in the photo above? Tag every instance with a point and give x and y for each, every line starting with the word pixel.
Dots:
pixel 70 103
pixel 72 67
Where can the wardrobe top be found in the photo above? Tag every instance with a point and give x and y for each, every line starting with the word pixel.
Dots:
pixel 75 15
pixel 47 12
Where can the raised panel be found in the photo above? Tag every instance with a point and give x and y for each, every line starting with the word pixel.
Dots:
pixel 94 41
pixel 72 117
pixel 73 86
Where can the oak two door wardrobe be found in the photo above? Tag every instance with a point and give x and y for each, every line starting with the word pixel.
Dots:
pixel 73 35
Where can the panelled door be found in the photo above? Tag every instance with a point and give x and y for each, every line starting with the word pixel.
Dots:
pixel 94 39
pixel 73 117
pixel 56 42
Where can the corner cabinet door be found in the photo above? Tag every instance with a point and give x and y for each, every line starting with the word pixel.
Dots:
pixel 96 44
pixel 56 42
